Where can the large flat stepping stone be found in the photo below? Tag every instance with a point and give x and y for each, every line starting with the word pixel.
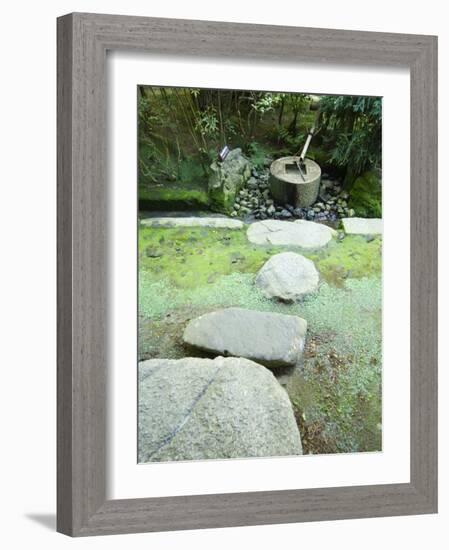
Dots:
pixel 220 223
pixel 195 409
pixel 272 339
pixel 287 277
pixel 362 226
pixel 301 233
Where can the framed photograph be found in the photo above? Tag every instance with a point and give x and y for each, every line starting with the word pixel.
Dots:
pixel 247 274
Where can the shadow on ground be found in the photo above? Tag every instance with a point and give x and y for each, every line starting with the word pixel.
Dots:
pixel 46 520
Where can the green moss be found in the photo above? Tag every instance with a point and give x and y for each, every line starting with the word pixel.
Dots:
pixel 172 196
pixel 185 272
pixel 226 180
pixel 222 200
pixel 353 257
pixel 191 257
pixel 366 196
pixel 350 314
pixel 337 395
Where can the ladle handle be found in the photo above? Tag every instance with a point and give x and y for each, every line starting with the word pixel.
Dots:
pixel 313 107
pixel 303 154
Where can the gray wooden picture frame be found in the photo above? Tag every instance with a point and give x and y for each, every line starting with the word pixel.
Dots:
pixel 83 40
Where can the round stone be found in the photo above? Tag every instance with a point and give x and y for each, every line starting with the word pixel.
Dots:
pixel 287 277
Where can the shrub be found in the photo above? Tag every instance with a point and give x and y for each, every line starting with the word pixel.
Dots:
pixel 366 196
pixel 353 130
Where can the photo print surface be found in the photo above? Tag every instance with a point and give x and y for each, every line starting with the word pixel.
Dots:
pixel 259 274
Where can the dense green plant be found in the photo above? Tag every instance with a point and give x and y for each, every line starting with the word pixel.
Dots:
pixel 352 130
pixel 257 154
pixel 265 102
pixel 167 118
pixel 366 196
pixel 180 127
pixel 298 103
pixel 156 160
pixel 206 122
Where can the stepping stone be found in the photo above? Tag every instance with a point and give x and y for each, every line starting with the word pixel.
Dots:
pixel 287 277
pixel 195 409
pixel 271 339
pixel 219 223
pixel 362 226
pixel 309 235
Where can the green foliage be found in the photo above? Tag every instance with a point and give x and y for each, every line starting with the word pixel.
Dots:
pixel 352 128
pixel 366 196
pixel 292 143
pixel 173 136
pixel 148 117
pixel 181 130
pixel 257 154
pixel 156 164
pixel 189 170
pixel 176 124
pixel 207 122
pixel 265 102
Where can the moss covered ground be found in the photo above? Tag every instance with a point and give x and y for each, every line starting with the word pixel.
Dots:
pixel 172 196
pixel 336 394
pixel 366 196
